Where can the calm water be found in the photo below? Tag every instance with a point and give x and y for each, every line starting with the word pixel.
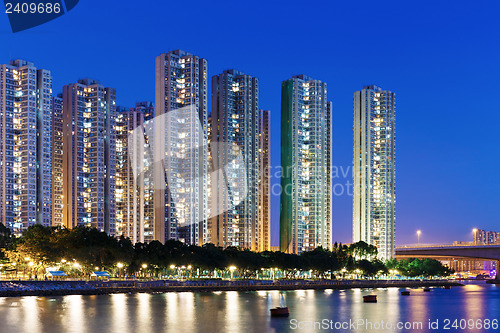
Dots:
pixel 247 311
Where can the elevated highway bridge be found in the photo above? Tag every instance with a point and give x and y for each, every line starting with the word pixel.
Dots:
pixel 480 252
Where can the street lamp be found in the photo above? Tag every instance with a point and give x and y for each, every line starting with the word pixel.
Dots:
pixel 172 267
pixel 474 231
pixel 343 271
pixel 31 263
pixel 231 269
pixel 418 236
pixel 120 266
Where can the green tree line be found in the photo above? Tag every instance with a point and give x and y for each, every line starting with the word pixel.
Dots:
pixel 84 250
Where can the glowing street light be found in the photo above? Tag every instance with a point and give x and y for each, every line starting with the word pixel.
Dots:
pixel 232 269
pixel 144 266
pixel 120 266
pixel 30 264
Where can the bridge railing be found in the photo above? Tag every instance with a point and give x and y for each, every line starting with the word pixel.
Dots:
pixel 444 245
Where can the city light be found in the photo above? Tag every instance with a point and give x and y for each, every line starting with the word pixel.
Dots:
pixel 232 269
pixel 274 195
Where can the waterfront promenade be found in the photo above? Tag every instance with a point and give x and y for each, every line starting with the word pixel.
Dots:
pixel 56 288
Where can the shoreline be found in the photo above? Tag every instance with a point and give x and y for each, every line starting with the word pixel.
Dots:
pixel 63 288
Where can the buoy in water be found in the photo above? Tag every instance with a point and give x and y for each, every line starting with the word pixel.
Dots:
pixel 370 299
pixel 280 312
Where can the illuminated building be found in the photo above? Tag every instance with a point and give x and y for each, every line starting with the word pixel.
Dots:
pixel 236 119
pixel 306 156
pixel 483 237
pixel 374 169
pixel 181 83
pixel 211 220
pixel 264 181
pixel 134 196
pixel 25 145
pixel 57 165
pixel 89 155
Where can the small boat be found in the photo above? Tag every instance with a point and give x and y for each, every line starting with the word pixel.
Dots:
pixel 370 299
pixel 427 289
pixel 280 311
pixel 405 293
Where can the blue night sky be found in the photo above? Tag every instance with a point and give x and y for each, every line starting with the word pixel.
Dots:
pixel 441 59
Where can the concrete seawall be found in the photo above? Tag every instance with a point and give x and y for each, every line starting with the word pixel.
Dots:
pixel 59 288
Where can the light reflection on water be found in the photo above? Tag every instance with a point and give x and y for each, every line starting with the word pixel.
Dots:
pixel 243 311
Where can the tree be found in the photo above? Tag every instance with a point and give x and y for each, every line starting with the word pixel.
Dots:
pixel 419 267
pixel 5 239
pixel 362 250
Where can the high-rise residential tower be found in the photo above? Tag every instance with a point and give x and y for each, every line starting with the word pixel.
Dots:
pixel 134 193
pixel 57 162
pixel 374 169
pixel 25 145
pixel 182 205
pixel 306 157
pixel 236 120
pixel 89 155
pixel 264 181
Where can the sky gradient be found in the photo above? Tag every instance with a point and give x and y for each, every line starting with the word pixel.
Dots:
pixel 441 59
